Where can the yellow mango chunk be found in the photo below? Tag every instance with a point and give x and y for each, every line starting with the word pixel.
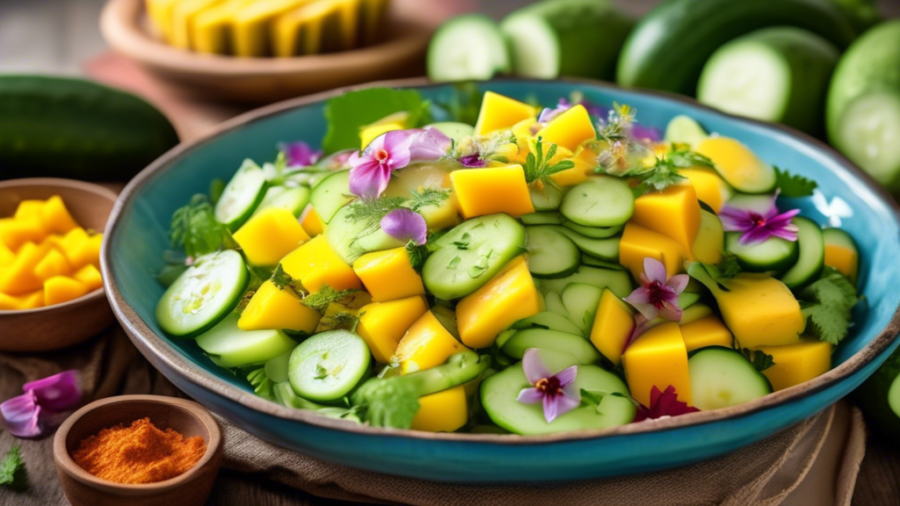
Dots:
pixel 15 232
pixel 182 16
pixel 53 264
pixel 55 217
pixel 7 257
pixel 710 242
pixel 59 289
pixel 707 331
pixel 612 326
pixel 336 313
pixel 31 300
pixel 160 13
pixel 500 113
pixel 710 187
pixel 388 275
pixel 369 133
pixel 445 411
pixel 427 176
pixel 19 278
pixel 89 276
pixel 658 358
pixel 673 212
pixel 86 252
pixel 638 243
pixel 426 344
pixel 504 300
pixel 270 235
pixel 211 30
pixel 797 363
pixel 29 209
pixel 273 308
pixel 844 259
pixel 251 25
pixel 383 324
pixel 760 311
pixel 312 224
pixel 315 264
pixel 585 161
pixel 569 129
pixel 492 190
pixel 310 29
pixel 739 166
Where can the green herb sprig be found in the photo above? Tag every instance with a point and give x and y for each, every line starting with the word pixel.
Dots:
pixel 538 167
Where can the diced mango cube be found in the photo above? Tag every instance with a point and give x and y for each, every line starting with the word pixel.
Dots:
pixel 55 216
pixel 70 243
pixel 29 209
pixel 19 278
pixel 797 363
pixel 710 187
pixel 388 275
pixel 251 25
pixel 707 331
pixel 426 344
pixel 499 113
pixel 445 411
pixel 7 257
pixel 524 133
pixel 673 212
pixel 613 325
pixel 315 264
pixel 507 298
pixel 15 232
pixel 658 358
pixel 844 259
pixel 736 162
pixel 270 235
pixel 274 308
pixel 312 224
pixel 396 121
pixel 211 29
pixel 569 129
pixel 492 190
pixel 638 243
pixel 585 161
pixel 87 252
pixel 90 276
pixel 31 300
pixel 59 289
pixel 383 324
pixel 54 263
pixel 760 311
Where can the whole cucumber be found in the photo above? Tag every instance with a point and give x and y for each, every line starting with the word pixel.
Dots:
pixel 61 127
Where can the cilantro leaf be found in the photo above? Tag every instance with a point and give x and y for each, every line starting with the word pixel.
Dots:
pixel 340 320
pixel 662 174
pixel 417 255
pixel 537 164
pixel 793 185
pixel 428 197
pixel 727 268
pixel 261 383
pixel 347 113
pixel 325 296
pixel 195 228
pixel 827 303
pixel 12 470
pixel 760 360
pixel 371 211
pixel 280 278
pixel 244 302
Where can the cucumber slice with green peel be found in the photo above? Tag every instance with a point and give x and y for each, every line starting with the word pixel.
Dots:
pixel 722 377
pixel 203 294
pixel 548 320
pixel 241 195
pixel 467 47
pixel 331 194
pixel 593 232
pixel 710 241
pixel 684 130
pixel 289 199
pixel 581 301
pixel 574 345
pixel 618 281
pixel 231 347
pixel 547 198
pixel 603 201
pixel 777 74
pixel 327 366
pixel 566 37
pixel 554 304
pixel 453 129
pixel 759 204
pixel 470 254
pixel 550 253
pixel 277 368
pixel 868 133
pixel 499 393
pixel 811 256
pixel 542 218
pixel 504 336
pixel 351 239
pixel 592 261
pixel 772 255
pixel 605 249
pixel 687 299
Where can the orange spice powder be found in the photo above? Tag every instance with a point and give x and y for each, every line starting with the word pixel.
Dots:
pixel 139 453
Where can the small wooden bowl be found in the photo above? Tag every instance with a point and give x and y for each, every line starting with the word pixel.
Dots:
pixel 60 325
pixel 187 417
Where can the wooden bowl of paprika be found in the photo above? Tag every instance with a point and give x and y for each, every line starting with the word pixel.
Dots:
pixel 139 450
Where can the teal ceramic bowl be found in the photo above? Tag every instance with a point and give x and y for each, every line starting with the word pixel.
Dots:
pixel 136 239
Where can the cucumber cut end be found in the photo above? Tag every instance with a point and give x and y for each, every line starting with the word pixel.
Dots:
pixel 467 47
pixel 533 46
pixel 868 133
pixel 748 80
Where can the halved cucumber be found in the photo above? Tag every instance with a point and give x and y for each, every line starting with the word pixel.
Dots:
pixel 547 198
pixel 599 202
pixel 229 346
pixel 722 377
pixel 581 301
pixel 685 130
pixel 241 195
pixel 618 281
pixel 277 368
pixel 327 366
pixel 351 239
pixel 331 194
pixel 471 253
pixel 593 261
pixel 542 218
pixel 811 257
pixel 574 345
pixel 759 204
pixel 553 303
pixel 605 249
pixel 467 47
pixel 548 320
pixel 282 197
pixel 710 241
pixel 550 253
pixel 867 133
pixel 772 255
pixel 593 232
pixel 203 294
pixel 453 129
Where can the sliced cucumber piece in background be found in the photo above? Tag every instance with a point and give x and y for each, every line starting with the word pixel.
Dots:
pixel 759 204
pixel 331 194
pixel 553 303
pixel 772 255
pixel 467 47
pixel 581 301
pixel 453 129
pixel 811 257
pixel 548 320
pixel 229 346
pixel 599 202
pixel 327 366
pixel 722 377
pixel 542 218
pixel 241 195
pixel 547 198
pixel 684 130
pixel 574 345
pixel 868 134
pixel 593 232
pixel 289 199
pixel 550 253
pixel 618 281
pixel 605 249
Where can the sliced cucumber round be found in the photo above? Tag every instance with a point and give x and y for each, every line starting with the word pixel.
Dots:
pixel 618 281
pixel 327 366
pixel 548 320
pixel 282 197
pixel 868 133
pixel 606 249
pixel 470 254
pixel 550 253
pixel 592 261
pixel 331 194
pixel 542 218
pixel 684 130
pixel 772 255
pixel 203 294
pixel 599 202
pixel 574 345
pixel 811 257
pixel 453 129
pixel 547 198
pixel 593 232
pixel 710 241
pixel 759 204
pixel 581 301
pixel 467 47
pixel 722 377
pixel 241 195
pixel 230 347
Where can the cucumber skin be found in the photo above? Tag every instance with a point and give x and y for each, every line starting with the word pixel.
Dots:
pixel 77 129
pixel 669 47
pixel 872 396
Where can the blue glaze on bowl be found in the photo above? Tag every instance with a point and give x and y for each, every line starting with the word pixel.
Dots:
pixel 136 239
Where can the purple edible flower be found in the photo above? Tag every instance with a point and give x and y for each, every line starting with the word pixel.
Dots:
pixel 647 134
pixel 473 160
pixel 45 404
pixel 59 392
pixel 757 227
pixel 658 296
pixel 663 404
pixel 405 225
pixel 21 415
pixel 556 392
pixel 428 144
pixel 371 170
pixel 300 154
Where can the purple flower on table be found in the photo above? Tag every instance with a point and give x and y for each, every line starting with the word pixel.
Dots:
pixel 59 392
pixel 22 415
pixel 405 225
pixel 658 295
pixel 300 154
pixel 371 170
pixel 556 392
pixel 44 405
pixel 758 226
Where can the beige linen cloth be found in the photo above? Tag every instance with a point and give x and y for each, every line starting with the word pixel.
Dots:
pixel 813 463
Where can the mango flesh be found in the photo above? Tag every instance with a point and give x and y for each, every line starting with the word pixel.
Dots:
pixel 383 324
pixel 53 264
pixel 182 16
pixel 300 31
pixel 638 243
pixel 59 289
pixel 612 327
pixel 710 187
pixel 388 275
pixel 445 411
pixel 500 113
pixel 427 176
pixel 844 259
pixel 507 298
pixel 585 162
pixel 90 276
pixel 315 264
pixel 658 358
pixel 569 129
pixel 760 311
pixel 369 133
pixel 426 344
pixel 311 223
pixel 492 190
pixel 251 24
pixel 673 212
pixel 270 235
pixel 211 29
pixel 738 165
pixel 797 363
pixel 707 331
pixel 280 309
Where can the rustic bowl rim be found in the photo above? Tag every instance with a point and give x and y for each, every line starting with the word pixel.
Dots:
pixel 159 352
pixel 65 462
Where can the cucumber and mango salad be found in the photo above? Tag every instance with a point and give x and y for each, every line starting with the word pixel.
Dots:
pixel 539 271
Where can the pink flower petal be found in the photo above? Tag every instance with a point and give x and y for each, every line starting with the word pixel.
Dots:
pixel 428 144
pixel 59 392
pixel 754 236
pixel 533 366
pixel 655 270
pixel 369 179
pixel 530 396
pixel 649 311
pixel 678 283
pixel 405 225
pixel 670 311
pixel 558 406
pixel 21 415
pixel 644 133
pixel 300 154
pixel 567 375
